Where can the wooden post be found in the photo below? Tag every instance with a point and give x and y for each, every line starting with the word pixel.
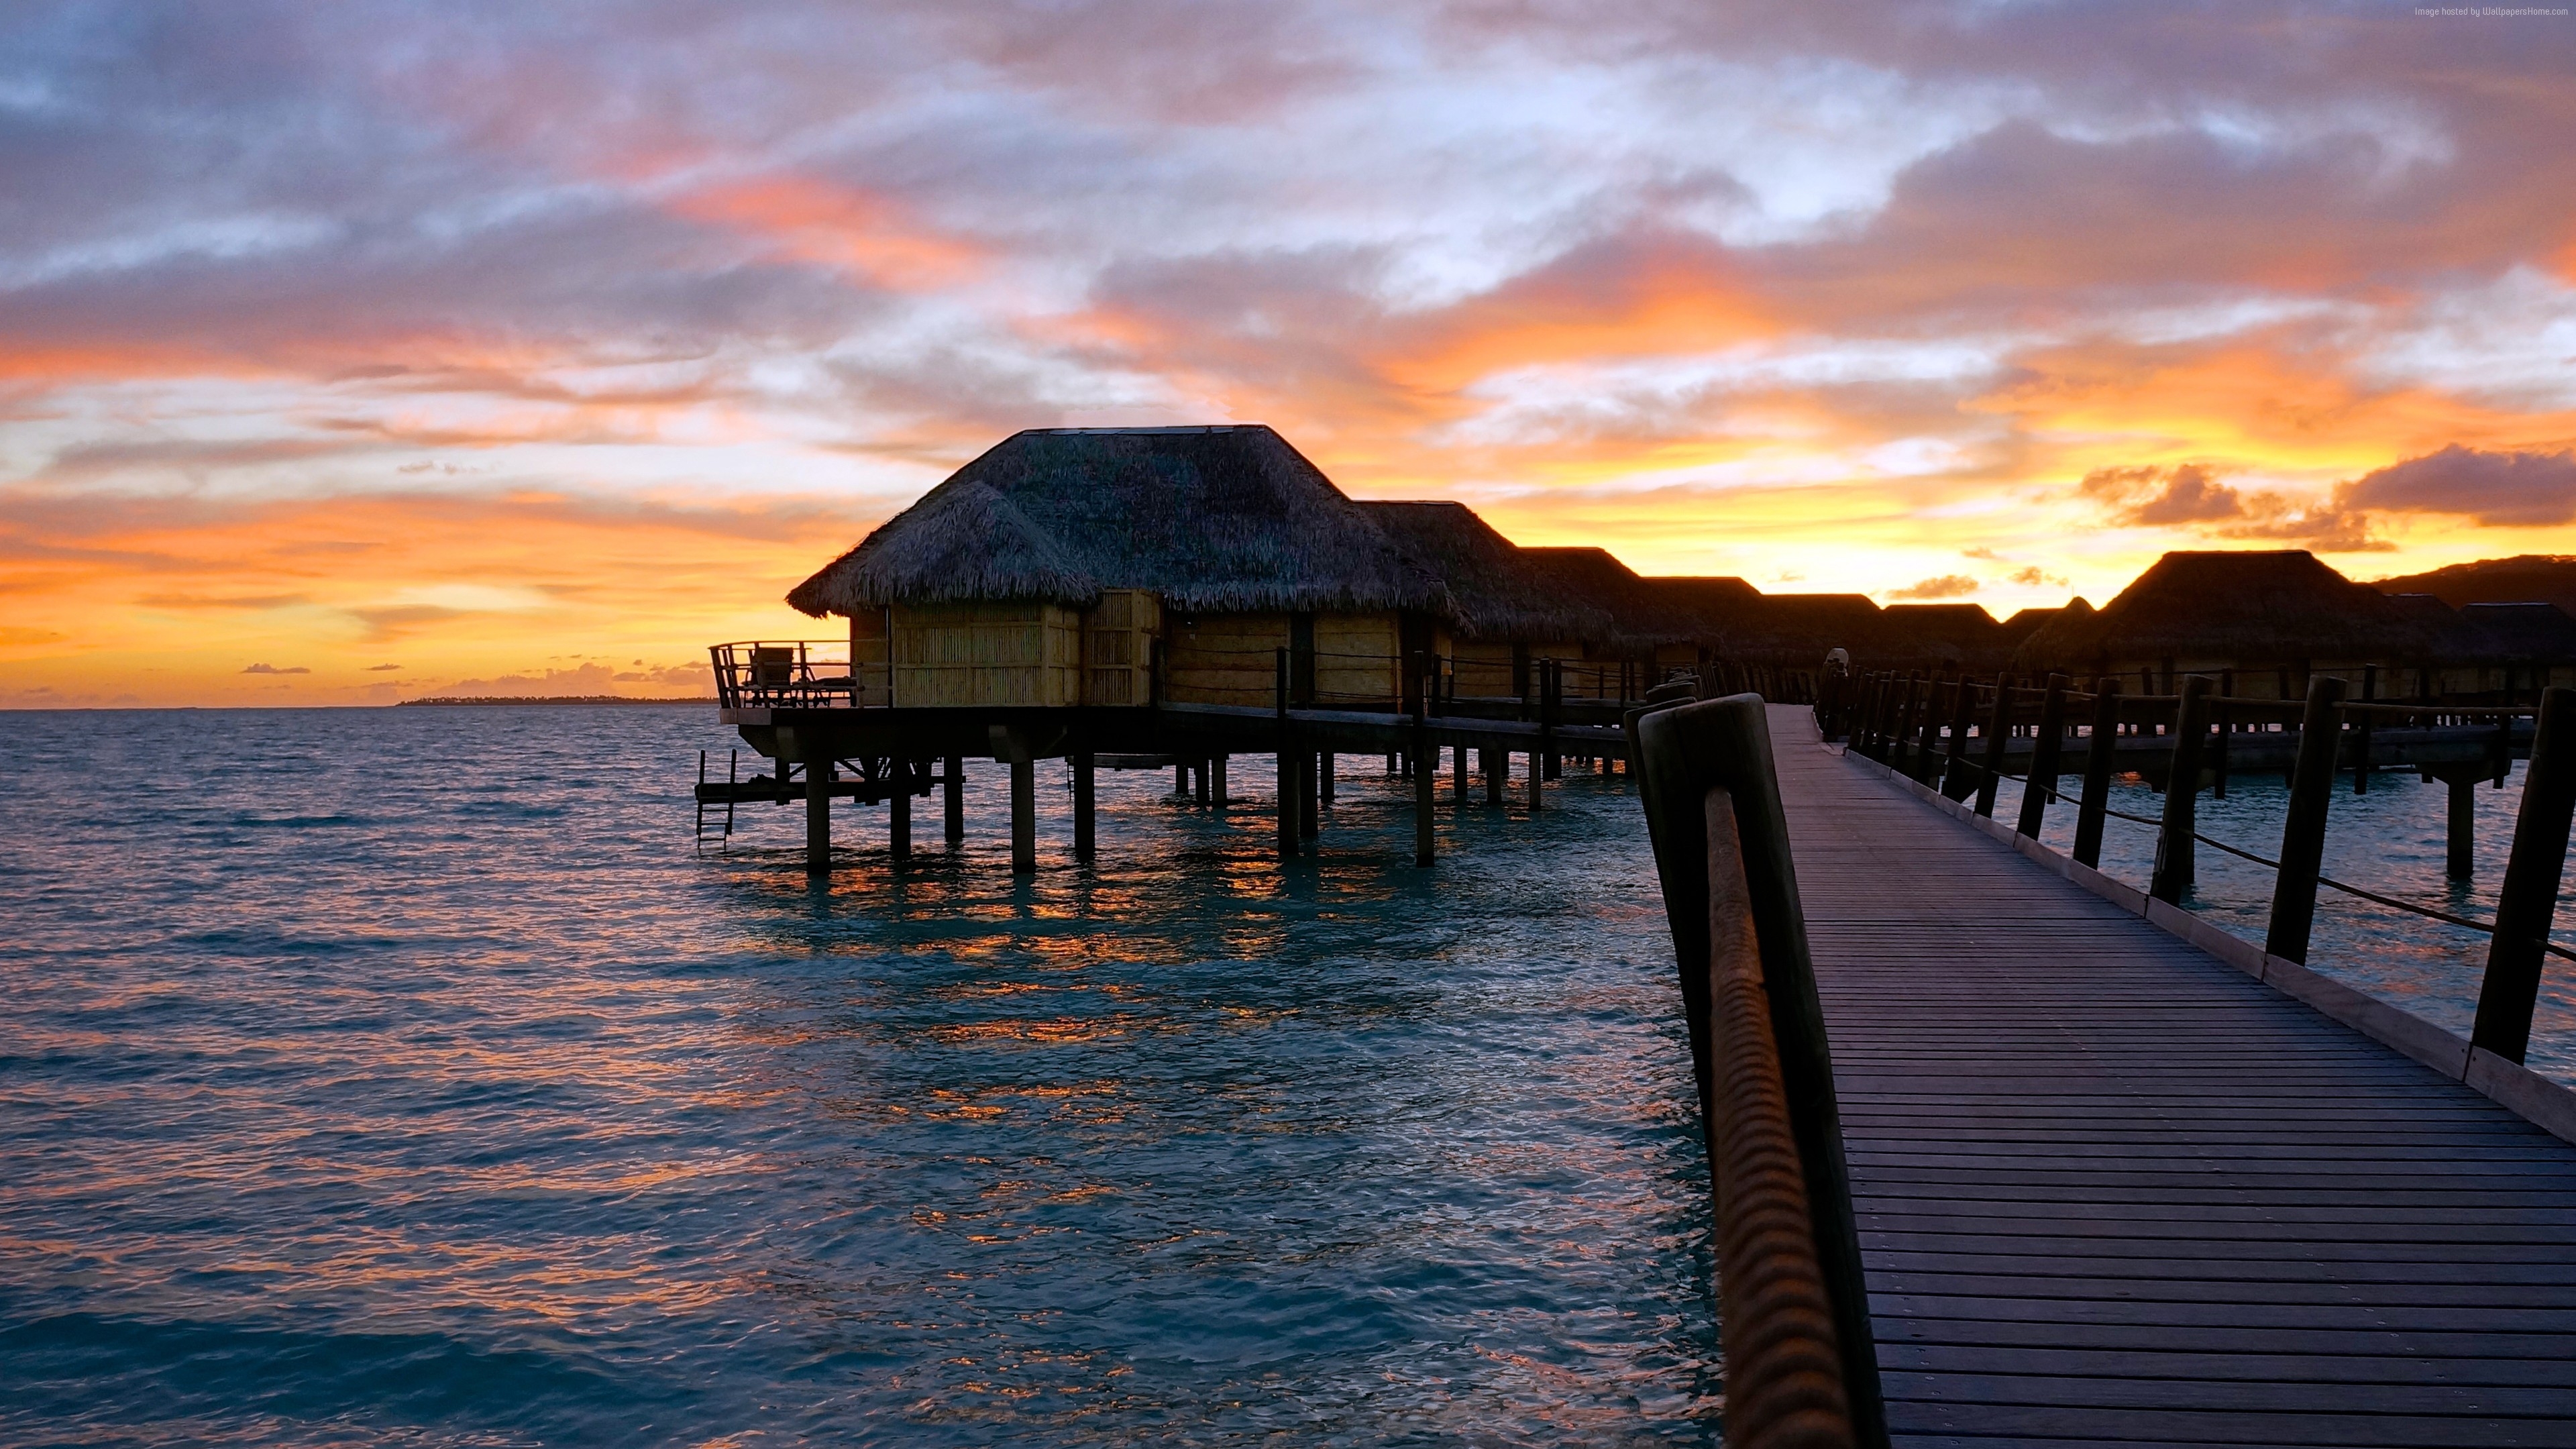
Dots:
pixel 1998 730
pixel 899 814
pixel 1458 780
pixel 1498 763
pixel 955 803
pixel 1324 776
pixel 1426 777
pixel 1290 790
pixel 1901 740
pixel 2303 826
pixel 818 809
pixel 1694 757
pixel 2463 833
pixel 1543 759
pixel 1551 706
pixel 1024 817
pixel 2226 727
pixel 1181 780
pixel 1537 783
pixel 2175 856
pixel 2527 902
pixel 1205 786
pixel 2045 749
pixel 2097 772
pixel 1086 838
pixel 2361 731
pixel 1955 779
pixel 1216 783
pixel 1310 810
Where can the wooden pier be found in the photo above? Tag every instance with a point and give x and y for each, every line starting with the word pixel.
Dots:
pixel 2113 1189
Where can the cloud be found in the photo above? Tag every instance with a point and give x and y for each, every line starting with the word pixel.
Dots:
pixel 1947 586
pixel 381 668
pixel 273 669
pixel 2495 489
pixel 2035 577
pixel 2149 497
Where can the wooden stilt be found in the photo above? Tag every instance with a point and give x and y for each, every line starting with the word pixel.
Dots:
pixel 1216 783
pixel 1310 813
pixel 1203 785
pixel 1024 817
pixel 955 787
pixel 899 815
pixel 2463 862
pixel 1086 838
pixel 1537 781
pixel 818 812
pixel 1426 774
pixel 1289 790
pixel 1458 780
pixel 1324 776
pixel 1498 763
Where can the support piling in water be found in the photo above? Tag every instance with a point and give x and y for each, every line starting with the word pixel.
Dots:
pixel 818 812
pixel 1086 835
pixel 1024 817
pixel 899 815
pixel 954 806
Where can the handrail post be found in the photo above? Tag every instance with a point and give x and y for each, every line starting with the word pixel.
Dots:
pixel 2527 902
pixel 1998 730
pixel 2174 853
pixel 1292 787
pixel 1963 713
pixel 2303 825
pixel 2090 811
pixel 1426 769
pixel 1700 760
pixel 2045 749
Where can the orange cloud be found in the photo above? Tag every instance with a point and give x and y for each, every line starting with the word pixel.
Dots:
pixel 840 227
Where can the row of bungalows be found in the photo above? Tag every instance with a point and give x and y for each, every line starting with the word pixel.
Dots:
pixel 2265 622
pixel 1122 567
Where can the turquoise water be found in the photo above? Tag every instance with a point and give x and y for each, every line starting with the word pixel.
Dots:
pixel 406 1077
pixel 2392 840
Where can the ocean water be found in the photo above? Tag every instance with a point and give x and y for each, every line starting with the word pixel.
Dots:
pixel 2392 840
pixel 407 1076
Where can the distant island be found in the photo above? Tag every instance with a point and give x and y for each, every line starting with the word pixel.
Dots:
pixel 544 699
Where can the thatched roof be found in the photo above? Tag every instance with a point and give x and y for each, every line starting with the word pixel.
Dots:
pixel 1640 617
pixel 1951 636
pixel 2271 607
pixel 1220 518
pixel 1495 590
pixel 2523 633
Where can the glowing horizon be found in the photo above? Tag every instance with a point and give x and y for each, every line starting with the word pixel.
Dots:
pixel 355 355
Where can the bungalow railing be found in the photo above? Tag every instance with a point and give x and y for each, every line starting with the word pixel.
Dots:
pixel 797 674
pixel 1920 727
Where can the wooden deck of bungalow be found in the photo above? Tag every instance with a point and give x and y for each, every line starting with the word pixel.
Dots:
pixel 2113 1189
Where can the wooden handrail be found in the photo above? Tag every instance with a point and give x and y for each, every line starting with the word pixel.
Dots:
pixel 1793 1305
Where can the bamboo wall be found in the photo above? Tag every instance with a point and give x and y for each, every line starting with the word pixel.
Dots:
pixel 869 652
pixel 1223 658
pixel 1017 653
pixel 1357 661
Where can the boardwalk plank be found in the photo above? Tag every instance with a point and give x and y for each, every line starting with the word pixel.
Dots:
pixel 2113 1191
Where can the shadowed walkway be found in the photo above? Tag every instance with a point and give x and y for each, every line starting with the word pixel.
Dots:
pixel 2112 1190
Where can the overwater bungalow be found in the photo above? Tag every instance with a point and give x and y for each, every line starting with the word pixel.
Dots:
pixel 1053 569
pixel 2270 619
pixel 1506 610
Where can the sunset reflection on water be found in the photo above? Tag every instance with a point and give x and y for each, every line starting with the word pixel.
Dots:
pixel 384 1075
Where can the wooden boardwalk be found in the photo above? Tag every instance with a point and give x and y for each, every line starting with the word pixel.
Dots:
pixel 2112 1191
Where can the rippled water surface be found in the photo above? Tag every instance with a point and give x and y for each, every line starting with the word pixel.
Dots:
pixel 405 1076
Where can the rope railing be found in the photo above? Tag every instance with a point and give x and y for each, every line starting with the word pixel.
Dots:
pixel 1800 1355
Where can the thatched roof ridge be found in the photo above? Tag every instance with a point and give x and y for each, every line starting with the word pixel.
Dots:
pixel 1216 518
pixel 1495 591
pixel 2523 633
pixel 2269 606
pixel 1641 616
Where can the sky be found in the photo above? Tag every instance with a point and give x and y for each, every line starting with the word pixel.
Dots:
pixel 361 351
